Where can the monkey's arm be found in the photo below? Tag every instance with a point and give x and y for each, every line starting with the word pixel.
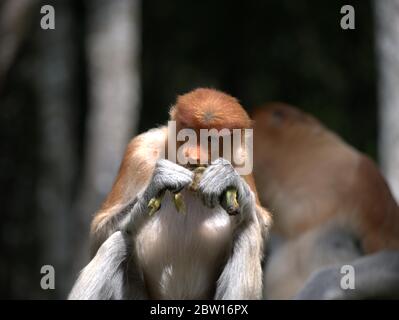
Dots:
pixel 376 277
pixel 104 277
pixel 291 264
pixel 242 274
pixel 166 176
pixel 133 177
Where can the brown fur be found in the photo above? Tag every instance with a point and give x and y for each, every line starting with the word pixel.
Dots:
pixel 297 157
pixel 201 108
pixel 134 174
pixel 207 108
pixel 313 182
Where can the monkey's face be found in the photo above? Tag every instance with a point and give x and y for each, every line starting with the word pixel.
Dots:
pixel 209 125
pixel 204 147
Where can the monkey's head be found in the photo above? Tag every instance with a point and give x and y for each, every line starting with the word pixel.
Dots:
pixel 205 108
pixel 278 120
pixel 285 141
pixel 282 128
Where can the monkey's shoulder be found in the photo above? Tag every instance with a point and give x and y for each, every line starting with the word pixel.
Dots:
pixel 149 143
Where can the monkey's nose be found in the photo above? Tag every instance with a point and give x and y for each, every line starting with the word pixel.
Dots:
pixel 193 154
pixel 196 156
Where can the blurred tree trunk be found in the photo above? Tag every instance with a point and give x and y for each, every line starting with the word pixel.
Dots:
pixel 56 100
pixel 15 19
pixel 113 42
pixel 387 39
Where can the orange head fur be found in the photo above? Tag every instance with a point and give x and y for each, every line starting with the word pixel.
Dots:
pixel 205 108
pixel 208 108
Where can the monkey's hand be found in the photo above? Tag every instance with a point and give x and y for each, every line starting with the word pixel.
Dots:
pixel 221 183
pixel 166 176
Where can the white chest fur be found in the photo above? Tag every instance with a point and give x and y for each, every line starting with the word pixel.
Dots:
pixel 182 254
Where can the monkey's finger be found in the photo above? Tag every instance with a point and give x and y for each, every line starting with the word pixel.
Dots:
pixel 198 172
pixel 179 202
pixel 177 190
pixel 155 203
pixel 229 201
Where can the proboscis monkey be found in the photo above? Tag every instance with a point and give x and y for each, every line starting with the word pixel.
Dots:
pixel 204 253
pixel 329 202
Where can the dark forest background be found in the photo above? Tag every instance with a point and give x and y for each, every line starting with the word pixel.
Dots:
pixel 52 130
